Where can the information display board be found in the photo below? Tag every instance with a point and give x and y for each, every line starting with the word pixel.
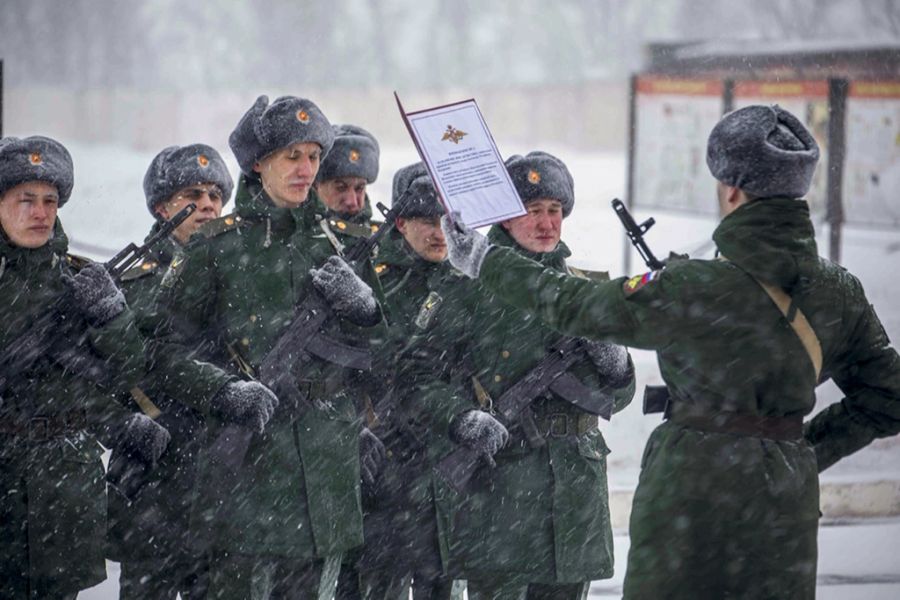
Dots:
pixel 673 118
pixel 872 156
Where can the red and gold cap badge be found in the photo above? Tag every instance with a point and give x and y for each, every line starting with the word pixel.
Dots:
pixel 35 158
pixel 203 161
pixel 354 156
pixel 534 177
pixel 303 116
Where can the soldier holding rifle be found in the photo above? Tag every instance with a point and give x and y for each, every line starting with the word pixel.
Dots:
pixel 533 519
pixel 727 504
pixel 148 513
pixel 286 504
pixel 68 339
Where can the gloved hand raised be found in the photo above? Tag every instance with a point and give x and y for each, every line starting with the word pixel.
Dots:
pixel 612 361
pixel 95 295
pixel 142 438
pixel 246 403
pixel 371 457
pixel 478 430
pixel 466 248
pixel 349 295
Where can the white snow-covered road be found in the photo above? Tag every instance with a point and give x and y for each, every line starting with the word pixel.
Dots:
pixel 858 560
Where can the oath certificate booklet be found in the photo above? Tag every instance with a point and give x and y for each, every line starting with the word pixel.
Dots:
pixel 464 163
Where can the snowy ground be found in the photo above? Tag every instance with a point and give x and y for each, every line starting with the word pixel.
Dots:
pixel 108 210
pixel 858 560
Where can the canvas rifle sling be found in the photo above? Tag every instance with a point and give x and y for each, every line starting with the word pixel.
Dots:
pixel 799 322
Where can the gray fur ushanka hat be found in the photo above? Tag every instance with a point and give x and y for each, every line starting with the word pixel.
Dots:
pixel 266 128
pixel 177 167
pixel 354 154
pixel 763 150
pixel 542 175
pixel 414 183
pixel 36 158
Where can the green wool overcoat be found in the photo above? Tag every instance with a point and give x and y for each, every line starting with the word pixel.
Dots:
pixel 717 514
pixel 155 522
pixel 53 488
pixel 400 523
pixel 542 515
pixel 297 494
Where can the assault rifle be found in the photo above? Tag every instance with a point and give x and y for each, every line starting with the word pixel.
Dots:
pixel 52 332
pixel 298 342
pixel 550 374
pixel 636 234
pixel 58 323
pixel 656 397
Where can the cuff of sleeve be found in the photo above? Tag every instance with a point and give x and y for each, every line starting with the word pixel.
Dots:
pixel 834 434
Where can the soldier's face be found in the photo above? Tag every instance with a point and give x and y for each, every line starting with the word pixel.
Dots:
pixel 425 236
pixel 541 228
pixel 288 174
pixel 345 195
pixel 28 213
pixel 207 197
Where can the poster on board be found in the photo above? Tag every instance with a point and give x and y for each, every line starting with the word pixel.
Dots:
pixel 673 121
pixel 872 155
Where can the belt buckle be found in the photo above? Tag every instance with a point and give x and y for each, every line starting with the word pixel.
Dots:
pixel 558 425
pixel 38 429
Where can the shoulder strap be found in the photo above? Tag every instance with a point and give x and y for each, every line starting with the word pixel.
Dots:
pixel 352 229
pixel 587 274
pixel 148 267
pixel 76 262
pixel 211 229
pixel 799 322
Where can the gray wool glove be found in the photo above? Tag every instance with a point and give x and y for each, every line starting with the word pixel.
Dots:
pixel 349 295
pixel 611 360
pixel 478 430
pixel 95 294
pixel 371 457
pixel 246 403
pixel 143 438
pixel 466 248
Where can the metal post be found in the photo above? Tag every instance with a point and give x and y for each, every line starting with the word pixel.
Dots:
pixel 632 151
pixel 727 96
pixel 834 213
pixel 1 98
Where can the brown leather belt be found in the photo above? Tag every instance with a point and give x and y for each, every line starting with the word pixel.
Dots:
pixel 788 428
pixel 43 428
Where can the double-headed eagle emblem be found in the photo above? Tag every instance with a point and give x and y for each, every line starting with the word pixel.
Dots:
pixel 453 134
